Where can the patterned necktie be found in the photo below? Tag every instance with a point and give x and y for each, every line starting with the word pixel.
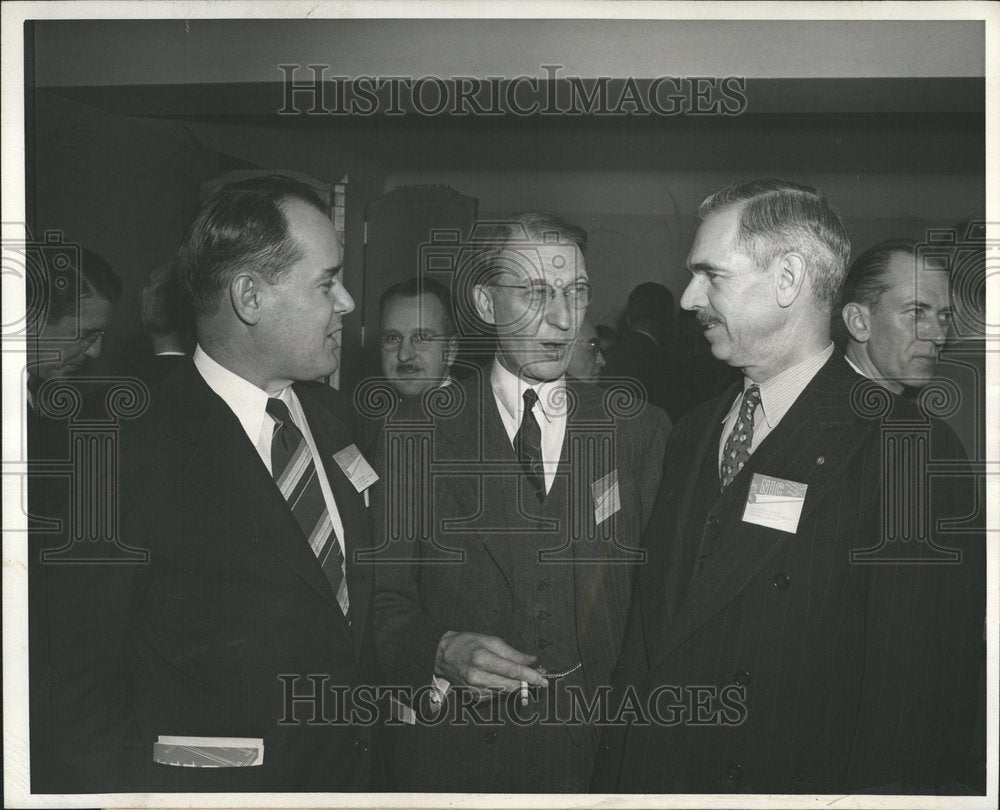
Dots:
pixel 295 474
pixel 737 448
pixel 528 444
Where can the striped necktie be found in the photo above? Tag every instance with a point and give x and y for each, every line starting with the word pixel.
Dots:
pixel 528 444
pixel 737 448
pixel 294 472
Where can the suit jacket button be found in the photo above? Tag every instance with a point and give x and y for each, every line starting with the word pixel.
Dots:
pixel 742 678
pixel 781 581
pixel 361 746
pixel 541 586
pixel 490 736
pixel 734 771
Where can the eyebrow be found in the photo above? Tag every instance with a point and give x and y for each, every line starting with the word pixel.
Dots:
pixel 703 267
pixel 914 302
pixel 329 272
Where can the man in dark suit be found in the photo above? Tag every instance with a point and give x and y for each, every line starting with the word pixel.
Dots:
pixel 643 352
pixel 242 489
pixel 511 537
pixel 798 626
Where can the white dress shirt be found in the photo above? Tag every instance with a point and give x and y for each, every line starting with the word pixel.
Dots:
pixel 549 412
pixel 777 395
pixel 249 403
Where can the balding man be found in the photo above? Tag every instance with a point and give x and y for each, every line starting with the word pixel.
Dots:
pixel 206 667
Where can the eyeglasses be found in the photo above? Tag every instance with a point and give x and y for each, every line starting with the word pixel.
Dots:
pixel 420 341
pixel 577 295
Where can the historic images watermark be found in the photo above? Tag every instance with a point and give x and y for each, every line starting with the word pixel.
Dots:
pixel 309 90
pixel 312 699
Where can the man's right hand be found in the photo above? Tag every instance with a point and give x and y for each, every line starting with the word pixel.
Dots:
pixel 484 662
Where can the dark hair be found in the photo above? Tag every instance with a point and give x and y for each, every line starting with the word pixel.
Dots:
pixel 241 226
pixel 527 229
pixel 866 281
pixel 416 286
pixel 163 307
pixel 95 278
pixel 777 216
pixel 651 300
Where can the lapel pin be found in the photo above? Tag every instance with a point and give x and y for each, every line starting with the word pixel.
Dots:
pixel 820 459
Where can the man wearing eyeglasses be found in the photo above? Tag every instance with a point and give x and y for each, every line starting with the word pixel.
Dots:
pixel 417 336
pixel 510 576
pixel 588 359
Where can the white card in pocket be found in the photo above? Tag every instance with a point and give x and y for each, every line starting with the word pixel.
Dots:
pixel 358 471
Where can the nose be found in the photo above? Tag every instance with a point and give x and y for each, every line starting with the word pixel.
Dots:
pixel 599 361
pixel 558 312
pixel 343 303
pixel 934 331
pixel 406 351
pixel 93 351
pixel 694 296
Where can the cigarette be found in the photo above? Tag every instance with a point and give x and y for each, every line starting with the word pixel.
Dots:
pixel 524 693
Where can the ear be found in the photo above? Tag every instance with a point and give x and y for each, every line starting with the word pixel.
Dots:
pixel 857 319
pixel 451 352
pixel 245 295
pixel 790 279
pixel 482 296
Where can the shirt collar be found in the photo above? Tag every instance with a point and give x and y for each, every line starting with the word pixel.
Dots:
pixel 509 388
pixel 854 365
pixel 245 399
pixel 779 393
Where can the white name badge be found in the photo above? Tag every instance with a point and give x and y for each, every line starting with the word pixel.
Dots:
pixel 775 503
pixel 606 498
pixel 358 471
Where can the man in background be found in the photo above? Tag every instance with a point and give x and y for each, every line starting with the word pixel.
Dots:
pixel 588 358
pixel 166 320
pixel 417 334
pixel 897 315
pixel 642 352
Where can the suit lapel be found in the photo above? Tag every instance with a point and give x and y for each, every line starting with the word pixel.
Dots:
pixel 815 439
pixel 331 436
pixel 226 468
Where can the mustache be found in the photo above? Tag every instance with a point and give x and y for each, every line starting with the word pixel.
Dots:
pixel 406 367
pixel 705 319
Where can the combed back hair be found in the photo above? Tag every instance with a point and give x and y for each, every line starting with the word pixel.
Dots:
pixel 241 226
pixel 525 231
pixel 95 279
pixel 776 217
pixel 650 300
pixel 417 286
pixel 163 307
pixel 866 281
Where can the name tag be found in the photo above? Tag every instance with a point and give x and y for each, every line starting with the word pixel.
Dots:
pixel 775 503
pixel 606 499
pixel 358 471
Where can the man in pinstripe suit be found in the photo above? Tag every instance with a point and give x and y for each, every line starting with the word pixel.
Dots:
pixel 779 581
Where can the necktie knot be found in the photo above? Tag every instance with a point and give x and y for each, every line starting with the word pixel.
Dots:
pixel 530 398
pixel 278 411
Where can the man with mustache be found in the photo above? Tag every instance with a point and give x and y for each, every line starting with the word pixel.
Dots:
pixel 239 488
pixel 511 536
pixel 788 635
pixel 417 336
pixel 897 314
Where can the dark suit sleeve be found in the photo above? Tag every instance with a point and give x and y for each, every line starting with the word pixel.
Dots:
pixel 653 449
pixel 922 652
pixel 93 729
pixel 406 638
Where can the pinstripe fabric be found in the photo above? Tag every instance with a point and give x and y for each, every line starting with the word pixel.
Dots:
pixel 295 474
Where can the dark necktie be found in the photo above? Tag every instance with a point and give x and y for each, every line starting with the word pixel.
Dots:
pixel 737 448
pixel 528 444
pixel 294 472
